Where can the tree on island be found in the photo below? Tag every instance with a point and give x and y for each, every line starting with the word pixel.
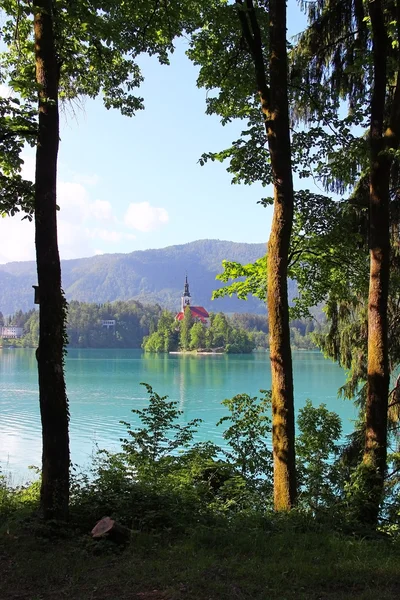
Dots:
pixel 186 325
pixel 191 334
pixel 198 335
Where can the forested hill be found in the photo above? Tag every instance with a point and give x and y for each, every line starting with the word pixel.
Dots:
pixel 149 276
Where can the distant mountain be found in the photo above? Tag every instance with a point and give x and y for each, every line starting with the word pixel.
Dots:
pixel 150 276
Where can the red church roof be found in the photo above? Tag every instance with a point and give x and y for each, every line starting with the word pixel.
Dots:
pixel 198 312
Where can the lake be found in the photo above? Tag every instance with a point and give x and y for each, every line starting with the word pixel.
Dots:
pixel 104 385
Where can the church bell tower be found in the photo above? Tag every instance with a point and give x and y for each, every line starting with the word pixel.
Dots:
pixel 185 299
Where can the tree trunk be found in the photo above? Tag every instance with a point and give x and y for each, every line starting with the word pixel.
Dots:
pixel 382 139
pixel 378 364
pixel 277 124
pixel 54 494
pixel 275 107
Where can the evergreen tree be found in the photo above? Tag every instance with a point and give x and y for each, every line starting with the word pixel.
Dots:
pixel 361 64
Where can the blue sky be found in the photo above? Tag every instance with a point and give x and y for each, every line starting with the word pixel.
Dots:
pixel 131 184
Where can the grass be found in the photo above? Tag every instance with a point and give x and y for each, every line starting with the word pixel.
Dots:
pixel 238 563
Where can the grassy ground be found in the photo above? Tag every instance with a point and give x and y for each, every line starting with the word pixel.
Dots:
pixel 204 565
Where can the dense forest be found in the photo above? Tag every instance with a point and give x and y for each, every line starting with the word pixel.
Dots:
pixel 319 122
pixel 137 325
pixel 87 325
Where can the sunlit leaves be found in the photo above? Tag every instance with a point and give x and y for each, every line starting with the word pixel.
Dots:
pixel 17 127
pixel 97 45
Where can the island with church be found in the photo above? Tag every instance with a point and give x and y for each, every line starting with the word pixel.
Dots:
pixel 131 324
pixel 195 330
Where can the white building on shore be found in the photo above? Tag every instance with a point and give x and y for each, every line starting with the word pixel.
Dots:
pixel 11 332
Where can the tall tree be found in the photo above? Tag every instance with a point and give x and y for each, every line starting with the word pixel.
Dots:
pixel 276 112
pixel 378 364
pixel 186 326
pixel 361 63
pixel 71 40
pixel 52 392
pixel 242 51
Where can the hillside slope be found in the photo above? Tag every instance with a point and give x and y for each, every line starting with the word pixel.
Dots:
pixel 148 275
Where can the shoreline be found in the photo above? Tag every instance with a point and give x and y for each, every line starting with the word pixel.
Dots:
pixel 204 353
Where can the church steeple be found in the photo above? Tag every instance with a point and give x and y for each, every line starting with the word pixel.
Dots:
pixel 186 296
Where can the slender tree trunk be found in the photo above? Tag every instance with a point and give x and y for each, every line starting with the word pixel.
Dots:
pixel 375 451
pixel 378 363
pixel 275 107
pixel 53 400
pixel 277 123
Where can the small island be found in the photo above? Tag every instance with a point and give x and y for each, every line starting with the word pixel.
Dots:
pixel 194 330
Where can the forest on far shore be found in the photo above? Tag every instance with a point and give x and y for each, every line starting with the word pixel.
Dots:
pixel 135 321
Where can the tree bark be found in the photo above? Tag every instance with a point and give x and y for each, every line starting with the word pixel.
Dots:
pixel 275 107
pixel 375 450
pixel 54 494
pixel 277 124
pixel 378 365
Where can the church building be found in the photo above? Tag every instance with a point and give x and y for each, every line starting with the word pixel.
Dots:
pixel 199 313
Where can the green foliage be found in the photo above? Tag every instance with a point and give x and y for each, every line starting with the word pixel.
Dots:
pixel 21 499
pixel 166 337
pixel 364 494
pixel 198 336
pixel 328 255
pixel 132 323
pixel 17 127
pixel 185 328
pixel 316 450
pixel 85 328
pixel 191 334
pixel 254 279
pixel 154 343
pixel 162 478
pixel 247 436
pixel 95 38
pixel 160 435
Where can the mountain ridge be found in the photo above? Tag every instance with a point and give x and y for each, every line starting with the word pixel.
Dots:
pixel 150 276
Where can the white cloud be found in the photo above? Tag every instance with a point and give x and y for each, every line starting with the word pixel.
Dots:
pixel 86 225
pixel 81 224
pixel 101 209
pixel 89 180
pixel 144 217
pixel 73 201
pixel 106 235
pixel 17 239
pixel 109 235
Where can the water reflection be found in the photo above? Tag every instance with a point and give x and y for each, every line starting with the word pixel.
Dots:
pixel 104 385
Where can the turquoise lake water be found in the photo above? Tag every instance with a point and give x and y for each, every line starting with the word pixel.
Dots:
pixel 104 385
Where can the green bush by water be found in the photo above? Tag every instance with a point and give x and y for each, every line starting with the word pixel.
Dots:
pixel 162 480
